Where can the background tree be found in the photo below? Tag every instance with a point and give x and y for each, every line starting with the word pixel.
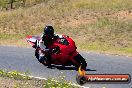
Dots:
pixel 11 3
pixel 24 2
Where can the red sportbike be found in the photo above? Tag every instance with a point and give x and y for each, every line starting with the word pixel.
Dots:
pixel 64 51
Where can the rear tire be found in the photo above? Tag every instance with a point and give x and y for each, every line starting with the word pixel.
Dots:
pixel 80 62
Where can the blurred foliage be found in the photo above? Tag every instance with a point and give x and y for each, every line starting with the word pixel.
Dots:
pixel 6 4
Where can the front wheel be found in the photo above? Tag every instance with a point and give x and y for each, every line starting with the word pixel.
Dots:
pixel 44 60
pixel 36 54
pixel 80 61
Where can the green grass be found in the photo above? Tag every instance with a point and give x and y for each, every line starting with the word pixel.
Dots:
pixel 113 31
pixel 99 5
pixel 108 35
pixel 104 48
pixel 14 74
pixel 95 25
pixel 15 79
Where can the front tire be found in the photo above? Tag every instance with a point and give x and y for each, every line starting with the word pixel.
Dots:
pixel 44 61
pixel 36 54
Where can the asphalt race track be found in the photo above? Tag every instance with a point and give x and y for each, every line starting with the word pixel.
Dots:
pixel 23 59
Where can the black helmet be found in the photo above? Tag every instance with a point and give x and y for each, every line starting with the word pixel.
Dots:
pixel 49 31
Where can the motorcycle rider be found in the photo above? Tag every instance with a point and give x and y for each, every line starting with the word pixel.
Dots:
pixel 47 37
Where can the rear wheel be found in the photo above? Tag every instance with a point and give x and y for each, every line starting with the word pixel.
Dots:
pixel 80 62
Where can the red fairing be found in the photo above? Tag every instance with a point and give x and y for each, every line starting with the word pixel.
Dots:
pixel 28 37
pixel 67 51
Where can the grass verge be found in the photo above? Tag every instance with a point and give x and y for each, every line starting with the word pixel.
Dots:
pixel 15 79
pixel 103 26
